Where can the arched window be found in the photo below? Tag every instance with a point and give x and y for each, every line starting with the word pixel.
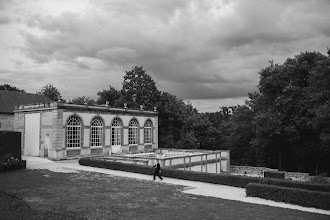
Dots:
pixel 96 132
pixel 116 128
pixel 148 132
pixel 133 132
pixel 73 132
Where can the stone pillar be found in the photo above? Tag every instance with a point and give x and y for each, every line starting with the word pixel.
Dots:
pixel 57 147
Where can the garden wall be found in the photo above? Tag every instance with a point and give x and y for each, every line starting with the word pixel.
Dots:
pixel 259 171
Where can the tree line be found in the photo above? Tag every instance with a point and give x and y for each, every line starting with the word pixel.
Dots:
pixel 284 125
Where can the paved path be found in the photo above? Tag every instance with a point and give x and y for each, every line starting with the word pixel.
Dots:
pixel 193 187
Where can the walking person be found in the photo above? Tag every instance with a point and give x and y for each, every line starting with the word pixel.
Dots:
pixel 157 171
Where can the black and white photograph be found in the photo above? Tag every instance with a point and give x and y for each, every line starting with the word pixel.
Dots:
pixel 164 109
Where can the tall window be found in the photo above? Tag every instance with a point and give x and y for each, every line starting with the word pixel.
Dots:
pixel 73 132
pixel 148 132
pixel 96 132
pixel 116 128
pixel 133 132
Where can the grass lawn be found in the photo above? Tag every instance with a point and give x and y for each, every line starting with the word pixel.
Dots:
pixel 102 196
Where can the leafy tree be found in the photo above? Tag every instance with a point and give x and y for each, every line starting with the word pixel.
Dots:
pixel 169 120
pixel 283 111
pixel 139 89
pixel 8 87
pixel 240 132
pixel 51 92
pixel 204 132
pixel 111 95
pixel 319 110
pixel 82 100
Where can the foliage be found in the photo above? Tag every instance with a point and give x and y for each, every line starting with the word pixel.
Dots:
pixel 320 179
pixel 240 131
pixel 51 92
pixel 111 95
pixel 8 87
pixel 82 101
pixel 274 174
pixel 223 179
pixel 291 118
pixel 301 197
pixel 8 163
pixel 138 89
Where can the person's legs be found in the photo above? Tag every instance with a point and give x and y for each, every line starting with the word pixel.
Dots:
pixel 160 177
pixel 155 173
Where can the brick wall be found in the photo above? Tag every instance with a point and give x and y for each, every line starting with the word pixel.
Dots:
pixel 6 122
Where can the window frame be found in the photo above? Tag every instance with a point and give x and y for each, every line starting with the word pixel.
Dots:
pixel 73 131
pixel 148 132
pixel 133 132
pixel 116 132
pixel 96 132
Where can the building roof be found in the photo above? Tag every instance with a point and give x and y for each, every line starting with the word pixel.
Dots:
pixel 10 99
pixel 83 108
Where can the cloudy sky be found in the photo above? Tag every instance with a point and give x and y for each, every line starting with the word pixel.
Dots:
pixel 207 52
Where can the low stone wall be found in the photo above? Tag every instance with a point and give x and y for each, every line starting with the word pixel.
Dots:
pixel 259 171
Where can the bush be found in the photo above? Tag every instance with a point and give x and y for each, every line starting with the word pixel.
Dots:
pixel 8 162
pixel 223 179
pixel 320 179
pixel 13 207
pixel 296 184
pixel 272 174
pixel 301 197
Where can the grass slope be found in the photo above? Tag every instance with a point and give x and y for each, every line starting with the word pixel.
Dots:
pixel 101 196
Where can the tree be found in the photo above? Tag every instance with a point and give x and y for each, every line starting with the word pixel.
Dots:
pixel 240 133
pixel 284 111
pixel 169 120
pixel 319 110
pixel 82 101
pixel 139 89
pixel 111 95
pixel 8 87
pixel 51 92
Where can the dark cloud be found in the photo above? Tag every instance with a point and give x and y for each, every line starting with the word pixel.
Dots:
pixel 193 49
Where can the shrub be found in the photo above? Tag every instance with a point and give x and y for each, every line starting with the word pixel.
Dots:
pixel 320 179
pixel 223 179
pixel 273 174
pixel 296 184
pixel 7 163
pixel 290 195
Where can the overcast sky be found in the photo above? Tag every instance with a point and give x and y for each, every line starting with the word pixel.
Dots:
pixel 208 52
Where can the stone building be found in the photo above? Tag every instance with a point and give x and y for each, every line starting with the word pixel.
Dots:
pixel 10 99
pixel 62 131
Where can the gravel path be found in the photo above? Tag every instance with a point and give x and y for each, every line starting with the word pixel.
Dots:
pixel 193 187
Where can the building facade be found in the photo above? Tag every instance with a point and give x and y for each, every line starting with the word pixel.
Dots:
pixel 10 99
pixel 62 131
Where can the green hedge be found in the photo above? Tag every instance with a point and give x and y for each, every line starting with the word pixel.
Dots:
pixel 9 163
pixel 273 174
pixel 13 207
pixel 301 197
pixel 296 184
pixel 223 179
